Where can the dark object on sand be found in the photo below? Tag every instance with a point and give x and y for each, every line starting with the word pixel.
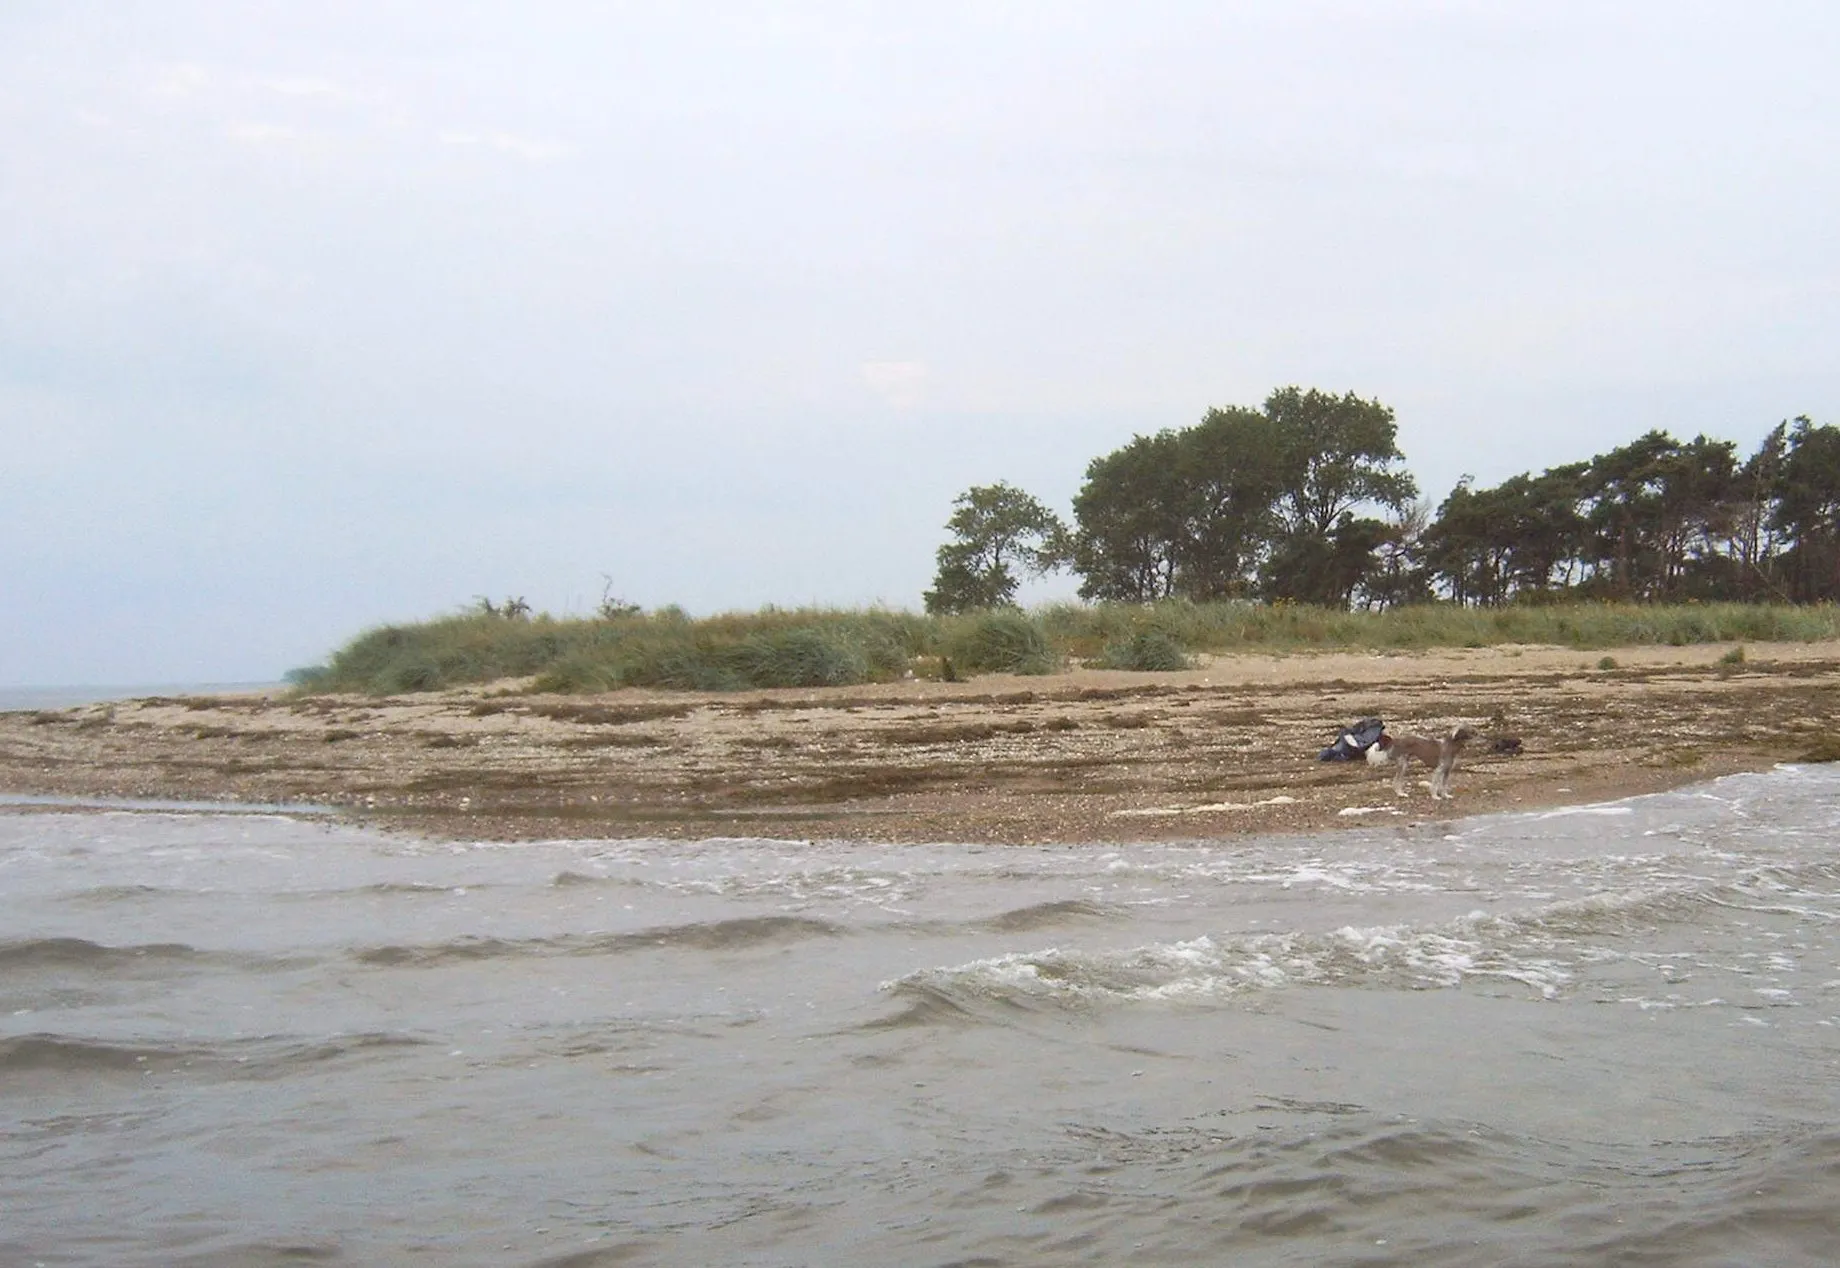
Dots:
pixel 1353 742
pixel 1508 745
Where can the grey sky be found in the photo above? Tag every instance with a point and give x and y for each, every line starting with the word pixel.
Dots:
pixel 318 316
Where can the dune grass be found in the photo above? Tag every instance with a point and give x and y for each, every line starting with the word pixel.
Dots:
pixel 811 647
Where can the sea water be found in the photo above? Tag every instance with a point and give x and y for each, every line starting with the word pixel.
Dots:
pixel 1608 1034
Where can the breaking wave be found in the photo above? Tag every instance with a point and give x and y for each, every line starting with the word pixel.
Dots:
pixel 1206 970
pixel 1539 949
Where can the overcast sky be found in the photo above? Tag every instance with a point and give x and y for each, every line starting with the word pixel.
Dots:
pixel 317 316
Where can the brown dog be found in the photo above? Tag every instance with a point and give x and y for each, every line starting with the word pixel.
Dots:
pixel 1403 750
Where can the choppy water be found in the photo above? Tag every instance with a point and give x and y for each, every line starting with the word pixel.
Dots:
pixel 1610 1035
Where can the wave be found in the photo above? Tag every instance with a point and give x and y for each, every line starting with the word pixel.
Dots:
pixel 616 1255
pixel 1044 916
pixel 1791 890
pixel 380 889
pixel 114 893
pixel 135 961
pixel 567 879
pixel 269 1056
pixel 1773 1190
pixel 278 1055
pixel 927 1003
pixel 713 935
pixel 24 1053
pixel 746 931
pixel 40 953
pixel 1363 1186
pixel 1203 970
pixel 395 887
pixel 1539 949
pixel 1030 919
pixel 105 894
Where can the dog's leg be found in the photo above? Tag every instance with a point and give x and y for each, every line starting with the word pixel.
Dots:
pixel 1447 762
pixel 1403 763
pixel 1449 751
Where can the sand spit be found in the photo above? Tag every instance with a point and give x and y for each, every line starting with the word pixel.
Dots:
pixel 1087 755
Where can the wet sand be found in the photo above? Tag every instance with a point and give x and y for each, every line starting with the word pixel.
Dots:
pixel 1087 755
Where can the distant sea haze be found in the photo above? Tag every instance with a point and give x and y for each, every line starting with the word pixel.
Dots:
pixel 17 698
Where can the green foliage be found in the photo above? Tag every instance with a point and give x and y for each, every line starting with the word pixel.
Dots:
pixel 1326 568
pixel 1807 510
pixel 1648 508
pixel 999 642
pixel 578 672
pixel 813 648
pixel 411 674
pixel 612 607
pixel 1307 500
pixel 1656 521
pixel 996 529
pixel 663 649
pixel 471 647
pixel 512 609
pixel 809 657
pixel 1521 538
pixel 1132 533
pixel 1335 454
pixel 1147 650
pixel 1087 631
pixel 1247 501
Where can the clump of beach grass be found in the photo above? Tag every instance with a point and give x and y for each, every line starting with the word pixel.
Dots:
pixel 1004 640
pixel 1147 651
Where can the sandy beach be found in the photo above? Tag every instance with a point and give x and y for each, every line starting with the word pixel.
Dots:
pixel 1227 747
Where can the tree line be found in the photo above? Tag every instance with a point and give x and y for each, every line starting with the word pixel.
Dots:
pixel 1308 499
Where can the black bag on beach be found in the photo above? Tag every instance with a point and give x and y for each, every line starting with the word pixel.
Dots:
pixel 1353 742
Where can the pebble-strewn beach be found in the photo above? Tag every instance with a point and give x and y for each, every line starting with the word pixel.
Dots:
pixel 1227 747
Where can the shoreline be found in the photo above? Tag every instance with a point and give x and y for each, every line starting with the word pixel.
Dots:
pixel 1084 756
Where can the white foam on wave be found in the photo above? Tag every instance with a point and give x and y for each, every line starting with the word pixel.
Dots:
pixel 1203 969
pixel 1307 875
pixel 1211 807
pixel 1353 876
pixel 1648 1004
pixel 1566 812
